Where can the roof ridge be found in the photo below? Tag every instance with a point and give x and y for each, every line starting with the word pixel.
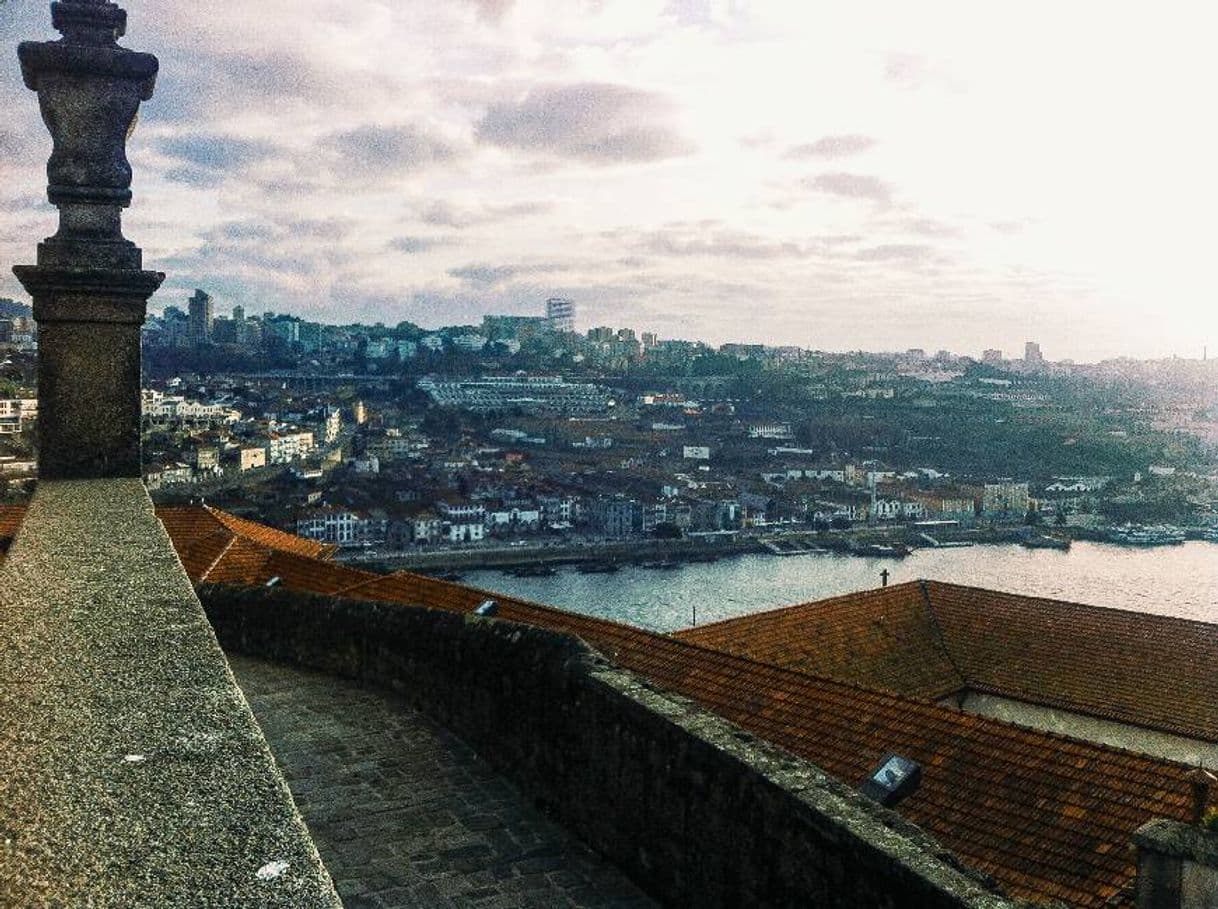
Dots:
pixel 824 601
pixel 216 561
pixel 366 581
pixel 1140 614
pixel 940 637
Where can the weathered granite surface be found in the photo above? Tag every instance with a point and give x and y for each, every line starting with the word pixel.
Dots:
pixel 132 772
pixel 405 814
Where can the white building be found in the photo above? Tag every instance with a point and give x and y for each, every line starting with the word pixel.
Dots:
pixel 342 527
pixel 251 458
pixel 465 531
pixel 161 407
pixel 778 431
pixel 287 447
pixel 463 512
pixel 514 518
pixel 560 313
pixel 426 528
pixel 16 411
pixel 470 342
pixel 1005 500
pixel 334 424
pixel 207 460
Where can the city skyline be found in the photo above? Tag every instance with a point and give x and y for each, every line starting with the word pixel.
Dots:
pixel 690 169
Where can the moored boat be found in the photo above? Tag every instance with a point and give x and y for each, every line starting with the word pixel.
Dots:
pixel 1045 541
pixel 1144 535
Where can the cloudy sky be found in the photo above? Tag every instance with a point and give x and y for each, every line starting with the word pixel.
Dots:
pixel 839 176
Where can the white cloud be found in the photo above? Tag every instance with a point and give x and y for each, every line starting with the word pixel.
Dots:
pixel 973 168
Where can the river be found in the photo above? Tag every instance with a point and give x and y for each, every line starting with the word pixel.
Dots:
pixel 1170 580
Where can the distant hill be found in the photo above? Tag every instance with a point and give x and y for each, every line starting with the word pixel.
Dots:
pixel 10 309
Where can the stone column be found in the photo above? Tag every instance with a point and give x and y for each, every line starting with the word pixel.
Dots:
pixel 89 287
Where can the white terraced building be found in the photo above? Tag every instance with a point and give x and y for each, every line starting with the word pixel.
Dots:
pixel 539 394
pixel 14 412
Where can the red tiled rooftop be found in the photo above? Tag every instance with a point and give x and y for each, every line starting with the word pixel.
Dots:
pixel 1133 667
pixel 10 520
pixel 928 638
pixel 1048 817
pixel 885 639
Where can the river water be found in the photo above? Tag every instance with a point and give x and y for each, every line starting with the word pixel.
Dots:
pixel 1171 580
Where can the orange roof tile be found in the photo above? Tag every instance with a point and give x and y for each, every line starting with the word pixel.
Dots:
pixel 928 638
pixel 242 562
pixel 1047 816
pixel 269 536
pixel 885 639
pixel 200 555
pixel 314 575
pixel 10 519
pixel 187 524
pixel 1133 667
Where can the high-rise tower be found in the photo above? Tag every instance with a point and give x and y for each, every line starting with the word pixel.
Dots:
pixel 561 314
pixel 202 316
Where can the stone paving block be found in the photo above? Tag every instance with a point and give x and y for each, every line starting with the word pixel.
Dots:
pixel 406 816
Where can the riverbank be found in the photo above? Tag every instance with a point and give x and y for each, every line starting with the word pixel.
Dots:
pixel 1169 580
pixel 873 542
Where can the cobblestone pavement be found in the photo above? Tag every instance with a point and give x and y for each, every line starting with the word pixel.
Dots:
pixel 406 815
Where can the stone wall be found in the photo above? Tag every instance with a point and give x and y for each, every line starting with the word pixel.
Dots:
pixel 1092 729
pixel 693 809
pixel 132 772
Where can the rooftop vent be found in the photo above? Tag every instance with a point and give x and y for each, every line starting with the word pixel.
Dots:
pixel 488 608
pixel 893 781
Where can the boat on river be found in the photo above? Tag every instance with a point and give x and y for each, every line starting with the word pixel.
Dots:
pixel 1146 535
pixel 533 571
pixel 790 547
pixel 880 550
pixel 1046 541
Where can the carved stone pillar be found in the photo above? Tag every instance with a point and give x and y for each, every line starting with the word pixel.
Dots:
pixel 89 287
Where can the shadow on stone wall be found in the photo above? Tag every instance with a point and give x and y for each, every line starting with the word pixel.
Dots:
pixel 694 810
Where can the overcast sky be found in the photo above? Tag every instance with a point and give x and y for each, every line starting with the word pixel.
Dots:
pixel 833 175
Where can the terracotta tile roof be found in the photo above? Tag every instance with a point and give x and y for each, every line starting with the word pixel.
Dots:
pixel 200 555
pixel 243 562
pixel 927 638
pixel 1048 817
pixel 885 639
pixel 187 524
pixel 10 519
pixel 1132 667
pixel 218 547
pixel 268 536
pixel 313 575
